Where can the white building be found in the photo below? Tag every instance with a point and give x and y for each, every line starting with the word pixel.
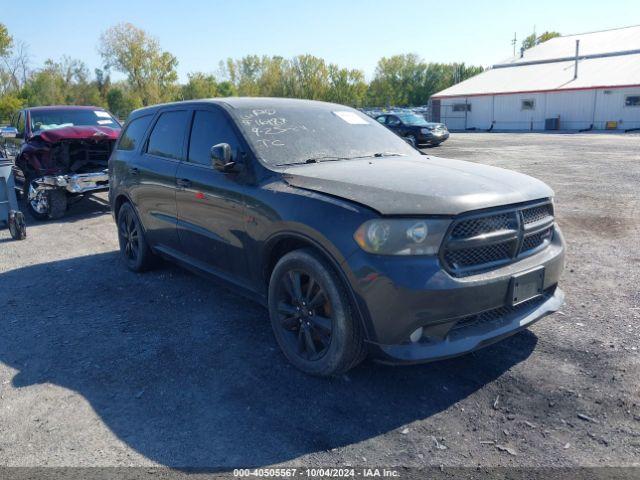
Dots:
pixel 591 80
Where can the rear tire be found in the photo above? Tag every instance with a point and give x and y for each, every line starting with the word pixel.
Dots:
pixel 311 315
pixel 134 248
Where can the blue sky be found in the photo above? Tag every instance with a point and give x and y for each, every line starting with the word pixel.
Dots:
pixel 351 33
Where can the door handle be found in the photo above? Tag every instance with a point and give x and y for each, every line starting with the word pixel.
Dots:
pixel 134 171
pixel 183 182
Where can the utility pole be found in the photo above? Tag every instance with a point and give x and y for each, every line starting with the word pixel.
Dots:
pixel 513 42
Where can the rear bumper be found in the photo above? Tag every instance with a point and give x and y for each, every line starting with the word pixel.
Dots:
pixel 76 183
pixel 398 295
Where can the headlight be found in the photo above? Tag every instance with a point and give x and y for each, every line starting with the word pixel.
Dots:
pixel 399 236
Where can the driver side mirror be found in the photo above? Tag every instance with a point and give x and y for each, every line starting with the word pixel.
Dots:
pixel 221 158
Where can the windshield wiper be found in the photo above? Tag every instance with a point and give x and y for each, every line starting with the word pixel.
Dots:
pixel 327 158
pixel 386 154
pixel 331 158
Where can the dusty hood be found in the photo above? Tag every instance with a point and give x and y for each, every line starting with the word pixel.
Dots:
pixel 78 133
pixel 418 185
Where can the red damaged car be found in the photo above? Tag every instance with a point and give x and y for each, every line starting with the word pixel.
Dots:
pixel 60 154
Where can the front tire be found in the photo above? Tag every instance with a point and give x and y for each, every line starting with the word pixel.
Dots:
pixel 412 141
pixel 134 248
pixel 311 315
pixel 49 204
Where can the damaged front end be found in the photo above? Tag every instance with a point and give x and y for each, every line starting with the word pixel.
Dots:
pixel 62 163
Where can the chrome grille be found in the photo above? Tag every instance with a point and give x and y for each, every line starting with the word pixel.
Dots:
pixel 479 242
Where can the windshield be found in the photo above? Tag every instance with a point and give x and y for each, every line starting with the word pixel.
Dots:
pixel 413 119
pixel 297 133
pixel 57 118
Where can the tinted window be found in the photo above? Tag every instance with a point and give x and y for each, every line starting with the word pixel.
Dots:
pixel 21 124
pixel 132 135
pixel 209 129
pixel 381 119
pixel 414 120
pixel 167 138
pixel 393 121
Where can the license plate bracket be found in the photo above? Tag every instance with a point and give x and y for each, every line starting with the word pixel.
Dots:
pixel 526 285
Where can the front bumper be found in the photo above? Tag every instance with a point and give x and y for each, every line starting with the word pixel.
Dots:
pixel 474 337
pixel 398 295
pixel 76 183
pixel 432 138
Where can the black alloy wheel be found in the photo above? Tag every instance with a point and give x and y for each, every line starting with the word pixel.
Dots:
pixel 311 315
pixel 133 244
pixel 129 236
pixel 304 313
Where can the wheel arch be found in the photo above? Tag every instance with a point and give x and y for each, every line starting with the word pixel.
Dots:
pixel 120 200
pixel 279 245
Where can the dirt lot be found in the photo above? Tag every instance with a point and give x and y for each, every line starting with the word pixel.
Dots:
pixel 99 366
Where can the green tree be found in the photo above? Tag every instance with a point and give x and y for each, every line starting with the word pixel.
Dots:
pixel 307 77
pixel 200 85
pixel 395 80
pixel 121 102
pixel 533 39
pixel 13 63
pixel 45 87
pixel 546 36
pixel 6 41
pixel 227 89
pixel 404 80
pixel 103 83
pixel 347 87
pixel 150 71
pixel 9 104
pixel 64 82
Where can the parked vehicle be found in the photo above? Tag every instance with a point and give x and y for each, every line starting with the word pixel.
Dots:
pixel 415 129
pixel 355 241
pixel 61 153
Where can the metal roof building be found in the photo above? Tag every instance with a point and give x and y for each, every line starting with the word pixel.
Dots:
pixel 590 80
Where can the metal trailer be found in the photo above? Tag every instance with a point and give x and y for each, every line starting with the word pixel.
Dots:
pixel 10 213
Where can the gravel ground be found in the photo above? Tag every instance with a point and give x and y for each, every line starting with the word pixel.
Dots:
pixel 100 366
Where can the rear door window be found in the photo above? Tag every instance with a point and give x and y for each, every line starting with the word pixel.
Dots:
pixel 210 127
pixel 133 134
pixel 167 137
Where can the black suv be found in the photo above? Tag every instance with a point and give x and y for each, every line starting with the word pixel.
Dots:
pixel 355 241
pixel 415 129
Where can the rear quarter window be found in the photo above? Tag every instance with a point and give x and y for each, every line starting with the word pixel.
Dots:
pixel 133 134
